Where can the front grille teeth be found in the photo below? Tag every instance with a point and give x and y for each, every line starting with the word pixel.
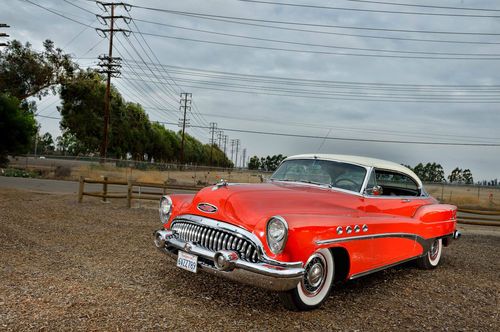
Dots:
pixel 216 239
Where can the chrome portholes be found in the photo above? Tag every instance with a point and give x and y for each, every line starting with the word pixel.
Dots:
pixel 348 229
pixel 357 229
pixel 365 228
pixel 340 230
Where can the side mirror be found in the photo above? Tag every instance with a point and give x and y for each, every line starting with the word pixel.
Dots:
pixel 375 191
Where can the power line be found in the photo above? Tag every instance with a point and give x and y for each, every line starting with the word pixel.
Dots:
pixel 317 52
pixel 359 97
pixel 424 6
pixel 484 95
pixel 322 45
pixel 58 14
pixel 352 129
pixel 334 33
pixel 369 10
pixel 388 84
pixel 332 138
pixel 202 15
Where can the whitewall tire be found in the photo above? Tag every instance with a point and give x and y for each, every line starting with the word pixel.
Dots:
pixel 432 258
pixel 315 285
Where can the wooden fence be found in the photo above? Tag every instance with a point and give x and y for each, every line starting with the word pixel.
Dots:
pixel 478 217
pixel 134 190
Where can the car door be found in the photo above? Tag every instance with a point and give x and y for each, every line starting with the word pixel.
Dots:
pixel 391 200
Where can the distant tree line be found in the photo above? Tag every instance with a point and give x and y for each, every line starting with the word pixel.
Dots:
pixel 433 172
pixel 269 163
pixel 26 73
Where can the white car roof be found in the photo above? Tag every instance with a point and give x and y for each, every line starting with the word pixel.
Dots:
pixel 363 161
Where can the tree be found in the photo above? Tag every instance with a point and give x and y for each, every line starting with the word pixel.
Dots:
pixel 254 163
pixel 467 176
pixel 431 172
pixel 67 144
pixel 456 176
pixel 17 128
pixel 25 72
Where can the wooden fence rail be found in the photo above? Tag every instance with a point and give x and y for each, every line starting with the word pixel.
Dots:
pixel 131 192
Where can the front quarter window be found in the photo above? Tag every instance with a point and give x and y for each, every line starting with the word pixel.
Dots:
pixel 322 172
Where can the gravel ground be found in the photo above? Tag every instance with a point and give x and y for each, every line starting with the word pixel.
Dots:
pixel 92 266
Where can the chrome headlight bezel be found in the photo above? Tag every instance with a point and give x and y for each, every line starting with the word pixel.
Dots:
pixel 278 226
pixel 165 208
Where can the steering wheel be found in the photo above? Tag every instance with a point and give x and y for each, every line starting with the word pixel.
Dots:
pixel 351 183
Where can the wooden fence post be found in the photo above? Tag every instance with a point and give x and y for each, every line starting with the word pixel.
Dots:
pixel 165 187
pixel 80 189
pixel 105 189
pixel 129 193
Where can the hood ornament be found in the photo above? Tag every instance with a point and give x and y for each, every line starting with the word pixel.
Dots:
pixel 207 208
pixel 220 184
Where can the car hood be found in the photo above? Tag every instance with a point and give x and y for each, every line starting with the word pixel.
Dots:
pixel 246 205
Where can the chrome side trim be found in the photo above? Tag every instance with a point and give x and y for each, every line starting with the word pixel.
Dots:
pixel 239 231
pixel 369 237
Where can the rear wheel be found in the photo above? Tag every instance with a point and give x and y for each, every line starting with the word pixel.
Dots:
pixel 433 256
pixel 314 287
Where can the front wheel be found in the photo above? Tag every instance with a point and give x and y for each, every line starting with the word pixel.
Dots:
pixel 433 256
pixel 315 285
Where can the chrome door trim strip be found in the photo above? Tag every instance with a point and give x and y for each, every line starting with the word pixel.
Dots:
pixel 371 236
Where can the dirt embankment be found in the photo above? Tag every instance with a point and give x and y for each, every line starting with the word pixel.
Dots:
pixel 66 266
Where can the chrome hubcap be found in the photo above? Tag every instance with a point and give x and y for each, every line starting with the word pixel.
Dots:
pixel 314 277
pixel 433 252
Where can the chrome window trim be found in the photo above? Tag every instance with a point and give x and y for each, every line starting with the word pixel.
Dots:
pixel 423 193
pixel 358 193
pixel 238 231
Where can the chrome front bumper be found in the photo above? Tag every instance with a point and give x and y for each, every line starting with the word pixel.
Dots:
pixel 275 276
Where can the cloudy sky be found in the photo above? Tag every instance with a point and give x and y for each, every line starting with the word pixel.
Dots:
pixel 331 69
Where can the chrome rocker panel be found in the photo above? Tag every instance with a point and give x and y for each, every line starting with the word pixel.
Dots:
pixel 271 276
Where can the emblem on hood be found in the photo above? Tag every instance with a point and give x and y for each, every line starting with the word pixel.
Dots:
pixel 207 208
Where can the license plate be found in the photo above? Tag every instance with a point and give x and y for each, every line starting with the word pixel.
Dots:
pixel 187 261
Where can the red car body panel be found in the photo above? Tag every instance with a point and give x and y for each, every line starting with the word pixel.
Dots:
pixel 397 227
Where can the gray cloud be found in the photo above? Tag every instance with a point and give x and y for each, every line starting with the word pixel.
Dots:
pixel 413 121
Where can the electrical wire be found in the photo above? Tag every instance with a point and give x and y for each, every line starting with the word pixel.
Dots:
pixel 368 10
pixel 202 15
pixel 288 42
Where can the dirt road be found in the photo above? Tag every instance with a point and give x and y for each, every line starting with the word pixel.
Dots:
pixel 92 266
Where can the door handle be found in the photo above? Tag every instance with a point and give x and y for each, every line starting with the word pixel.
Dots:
pixel 405 200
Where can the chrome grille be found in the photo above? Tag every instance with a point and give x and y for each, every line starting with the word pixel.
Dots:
pixel 215 239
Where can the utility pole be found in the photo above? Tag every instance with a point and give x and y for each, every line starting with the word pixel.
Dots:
pixel 186 99
pixel 110 65
pixel 3 34
pixel 225 143
pixel 213 130
pixel 233 142
pixel 244 157
pixel 237 146
pixel 220 134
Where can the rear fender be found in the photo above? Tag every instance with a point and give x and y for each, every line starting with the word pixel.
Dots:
pixel 436 213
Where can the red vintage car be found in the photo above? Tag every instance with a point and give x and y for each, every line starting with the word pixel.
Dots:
pixel 318 220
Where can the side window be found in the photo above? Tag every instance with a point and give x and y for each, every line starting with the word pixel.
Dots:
pixel 396 184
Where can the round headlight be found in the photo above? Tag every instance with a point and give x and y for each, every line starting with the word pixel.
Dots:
pixel 277 233
pixel 165 208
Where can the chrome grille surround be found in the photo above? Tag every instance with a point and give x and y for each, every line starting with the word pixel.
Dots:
pixel 215 238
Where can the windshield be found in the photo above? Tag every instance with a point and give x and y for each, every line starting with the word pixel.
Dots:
pixel 323 172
